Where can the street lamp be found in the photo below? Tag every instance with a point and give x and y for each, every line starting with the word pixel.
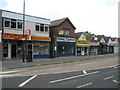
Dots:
pixel 23 38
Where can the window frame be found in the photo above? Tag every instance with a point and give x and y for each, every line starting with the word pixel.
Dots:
pixel 7 19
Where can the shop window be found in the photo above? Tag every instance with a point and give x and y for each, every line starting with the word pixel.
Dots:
pixel 66 32
pixel 41 49
pixel 7 22
pixel 19 24
pixel 42 27
pixel 13 23
pixel 37 27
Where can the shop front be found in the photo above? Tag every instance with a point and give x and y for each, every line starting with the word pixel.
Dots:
pixel 94 48
pixel 65 46
pixel 41 47
pixel 12 45
pixel 82 47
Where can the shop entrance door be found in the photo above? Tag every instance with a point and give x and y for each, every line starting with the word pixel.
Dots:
pixel 13 51
pixel 82 51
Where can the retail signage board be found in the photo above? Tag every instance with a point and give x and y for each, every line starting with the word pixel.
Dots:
pixel 79 42
pixel 27 32
pixel 41 38
pixel 65 39
pixel 14 36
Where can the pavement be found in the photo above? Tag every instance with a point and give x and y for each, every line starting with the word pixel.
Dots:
pixel 11 64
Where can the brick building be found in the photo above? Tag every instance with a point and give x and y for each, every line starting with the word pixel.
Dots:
pixel 62 38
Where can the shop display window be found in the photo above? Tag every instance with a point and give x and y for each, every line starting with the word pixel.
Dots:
pixel 41 49
pixel 65 48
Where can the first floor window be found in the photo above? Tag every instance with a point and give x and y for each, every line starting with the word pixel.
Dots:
pixel 13 23
pixel 7 22
pixel 66 32
pixel 42 27
pixel 46 28
pixel 19 24
pixel 37 27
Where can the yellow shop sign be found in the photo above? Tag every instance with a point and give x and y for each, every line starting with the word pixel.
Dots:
pixel 78 42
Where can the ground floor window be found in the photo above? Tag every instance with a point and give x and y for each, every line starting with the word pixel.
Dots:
pixel 40 48
pixel 65 49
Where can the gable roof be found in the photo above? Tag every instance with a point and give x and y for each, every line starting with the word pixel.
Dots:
pixel 113 39
pixel 107 39
pixel 99 37
pixel 59 22
pixel 77 35
pixel 89 36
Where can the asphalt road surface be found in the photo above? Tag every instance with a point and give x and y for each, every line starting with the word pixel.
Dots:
pixel 96 73
pixel 98 78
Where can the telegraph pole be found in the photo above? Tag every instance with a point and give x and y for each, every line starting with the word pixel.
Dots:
pixel 23 38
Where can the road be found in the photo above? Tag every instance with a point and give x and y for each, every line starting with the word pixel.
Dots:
pixel 85 74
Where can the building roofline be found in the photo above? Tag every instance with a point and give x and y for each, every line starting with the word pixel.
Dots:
pixel 22 14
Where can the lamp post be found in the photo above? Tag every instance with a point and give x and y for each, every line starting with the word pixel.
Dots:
pixel 23 38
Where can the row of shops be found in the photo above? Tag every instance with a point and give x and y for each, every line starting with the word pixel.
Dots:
pixel 45 39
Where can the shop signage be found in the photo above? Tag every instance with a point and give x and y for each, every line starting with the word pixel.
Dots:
pixel 41 38
pixel 27 32
pixel 65 39
pixel 14 36
pixel 79 42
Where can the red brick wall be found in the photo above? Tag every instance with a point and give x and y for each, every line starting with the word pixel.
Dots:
pixel 66 25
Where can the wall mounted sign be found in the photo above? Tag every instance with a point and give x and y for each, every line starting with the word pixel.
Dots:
pixel 65 39
pixel 14 36
pixel 27 32
pixel 79 42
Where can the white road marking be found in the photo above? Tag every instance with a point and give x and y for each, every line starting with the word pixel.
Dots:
pixel 84 71
pixel 7 76
pixel 116 81
pixel 25 82
pixel 72 77
pixel 108 77
pixel 6 72
pixel 84 85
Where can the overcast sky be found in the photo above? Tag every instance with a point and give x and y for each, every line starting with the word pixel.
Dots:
pixel 96 16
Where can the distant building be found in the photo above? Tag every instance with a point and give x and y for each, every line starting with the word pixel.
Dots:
pixel 102 44
pixel 116 44
pixel 62 38
pixel 36 35
pixel 82 44
pixel 110 44
pixel 94 44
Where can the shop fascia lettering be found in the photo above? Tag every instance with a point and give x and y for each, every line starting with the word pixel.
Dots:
pixel 65 39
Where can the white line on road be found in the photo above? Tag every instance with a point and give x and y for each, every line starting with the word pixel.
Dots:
pixel 72 77
pixel 5 72
pixel 84 85
pixel 84 71
pixel 116 81
pixel 22 84
pixel 108 77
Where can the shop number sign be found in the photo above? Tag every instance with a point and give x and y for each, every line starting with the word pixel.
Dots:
pixel 65 39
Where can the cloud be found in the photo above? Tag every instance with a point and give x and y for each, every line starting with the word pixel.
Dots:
pixel 96 16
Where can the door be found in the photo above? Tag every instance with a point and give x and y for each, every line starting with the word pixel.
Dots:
pixel 82 51
pixel 13 51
